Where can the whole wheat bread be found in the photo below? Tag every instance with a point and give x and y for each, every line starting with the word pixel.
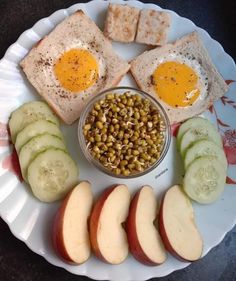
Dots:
pixel 191 46
pixel 76 31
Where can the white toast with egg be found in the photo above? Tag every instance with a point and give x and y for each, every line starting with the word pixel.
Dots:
pixel 72 64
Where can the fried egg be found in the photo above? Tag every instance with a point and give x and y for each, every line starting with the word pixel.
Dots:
pixel 179 81
pixel 180 76
pixel 77 70
pixel 72 64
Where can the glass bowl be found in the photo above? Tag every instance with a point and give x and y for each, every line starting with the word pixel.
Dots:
pixel 121 90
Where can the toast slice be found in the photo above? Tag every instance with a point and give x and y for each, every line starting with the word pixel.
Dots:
pixel 76 31
pixel 121 22
pixel 153 27
pixel 191 47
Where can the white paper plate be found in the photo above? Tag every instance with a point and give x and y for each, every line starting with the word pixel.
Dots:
pixel 30 220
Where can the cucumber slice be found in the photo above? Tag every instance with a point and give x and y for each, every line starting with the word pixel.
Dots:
pixel 190 123
pixel 52 174
pixel 204 179
pixel 205 148
pixel 36 128
pixel 205 132
pixel 28 113
pixel 34 146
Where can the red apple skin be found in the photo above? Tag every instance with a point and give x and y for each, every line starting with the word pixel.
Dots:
pixel 94 220
pixel 134 245
pixel 164 236
pixel 57 237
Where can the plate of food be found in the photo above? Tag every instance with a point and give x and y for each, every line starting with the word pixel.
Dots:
pixel 118 140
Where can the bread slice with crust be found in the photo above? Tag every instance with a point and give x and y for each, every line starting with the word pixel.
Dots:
pixel 121 22
pixel 76 31
pixel 191 47
pixel 153 27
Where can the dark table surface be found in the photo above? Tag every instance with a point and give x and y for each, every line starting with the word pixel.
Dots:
pixel 17 262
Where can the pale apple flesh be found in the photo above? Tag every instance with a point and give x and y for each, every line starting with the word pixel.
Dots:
pixel 177 226
pixel 144 240
pixel 107 235
pixel 70 229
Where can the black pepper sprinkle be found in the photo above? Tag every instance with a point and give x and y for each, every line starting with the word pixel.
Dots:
pixel 152 80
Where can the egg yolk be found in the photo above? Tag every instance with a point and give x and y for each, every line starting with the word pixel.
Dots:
pixel 176 84
pixel 76 70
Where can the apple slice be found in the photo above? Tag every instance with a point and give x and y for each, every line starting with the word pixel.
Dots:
pixel 177 226
pixel 144 240
pixel 70 229
pixel 107 235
